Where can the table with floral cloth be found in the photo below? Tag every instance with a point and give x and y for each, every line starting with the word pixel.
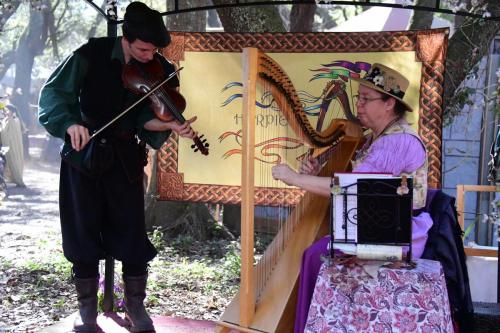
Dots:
pixel 365 297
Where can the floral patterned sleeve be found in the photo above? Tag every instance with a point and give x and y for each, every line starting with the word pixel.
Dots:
pixel 395 154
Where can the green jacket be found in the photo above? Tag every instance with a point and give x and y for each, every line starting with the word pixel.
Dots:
pixel 59 105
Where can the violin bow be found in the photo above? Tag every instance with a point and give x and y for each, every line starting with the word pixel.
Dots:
pixel 146 95
pixel 136 102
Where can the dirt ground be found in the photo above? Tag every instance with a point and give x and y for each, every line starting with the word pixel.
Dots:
pixel 35 281
pixel 28 218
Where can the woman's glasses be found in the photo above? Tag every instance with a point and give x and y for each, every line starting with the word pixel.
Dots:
pixel 363 100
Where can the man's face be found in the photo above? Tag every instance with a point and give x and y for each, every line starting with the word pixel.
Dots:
pixel 142 51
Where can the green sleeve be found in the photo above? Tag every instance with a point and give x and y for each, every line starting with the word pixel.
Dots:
pixel 154 139
pixel 59 107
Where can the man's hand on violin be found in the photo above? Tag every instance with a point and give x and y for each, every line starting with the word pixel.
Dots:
pixel 185 129
pixel 79 136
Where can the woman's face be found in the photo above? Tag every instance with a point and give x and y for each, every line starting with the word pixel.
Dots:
pixel 372 109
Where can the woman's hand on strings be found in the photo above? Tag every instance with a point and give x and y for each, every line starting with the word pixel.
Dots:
pixel 284 173
pixel 310 166
pixel 79 136
pixel 311 183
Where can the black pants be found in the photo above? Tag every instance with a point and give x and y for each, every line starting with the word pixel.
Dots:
pixel 103 216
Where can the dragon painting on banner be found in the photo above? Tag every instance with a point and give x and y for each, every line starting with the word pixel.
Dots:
pixel 318 108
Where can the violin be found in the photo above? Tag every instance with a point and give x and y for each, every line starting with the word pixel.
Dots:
pixel 167 103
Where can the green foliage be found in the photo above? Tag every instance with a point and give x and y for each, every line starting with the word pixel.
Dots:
pixel 216 229
pixel 470 228
pixel 262 240
pixel 185 264
pixel 461 98
pixel 60 304
pixel 6 264
pixel 232 262
pixel 33 265
pixel 496 110
pixel 61 266
pixel 493 217
pixel 183 243
pixel 49 259
pixel 152 300
pixel 190 275
pixel 157 237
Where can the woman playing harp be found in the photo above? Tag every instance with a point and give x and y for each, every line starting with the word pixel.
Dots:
pixel 393 147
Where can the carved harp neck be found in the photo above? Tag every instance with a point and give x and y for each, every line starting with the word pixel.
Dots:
pixel 270 73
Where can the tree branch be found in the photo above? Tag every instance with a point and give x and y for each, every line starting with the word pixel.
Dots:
pixel 470 43
pixel 7 8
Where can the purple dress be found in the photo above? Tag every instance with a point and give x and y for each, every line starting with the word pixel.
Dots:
pixel 395 154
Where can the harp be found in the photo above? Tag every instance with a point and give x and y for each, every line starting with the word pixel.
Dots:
pixel 267 296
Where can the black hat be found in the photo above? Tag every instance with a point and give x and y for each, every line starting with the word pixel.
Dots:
pixel 146 24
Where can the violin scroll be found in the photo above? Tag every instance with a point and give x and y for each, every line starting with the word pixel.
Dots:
pixel 200 144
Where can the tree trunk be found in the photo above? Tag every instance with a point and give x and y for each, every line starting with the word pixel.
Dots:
pixel 250 18
pixel 31 44
pixel 458 20
pixel 6 11
pixel 302 18
pixel 422 19
pixel 6 60
pixel 97 20
pixel 192 21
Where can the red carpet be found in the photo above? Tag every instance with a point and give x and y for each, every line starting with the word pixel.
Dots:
pixel 115 323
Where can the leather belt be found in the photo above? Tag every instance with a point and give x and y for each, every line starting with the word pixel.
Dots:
pixel 124 134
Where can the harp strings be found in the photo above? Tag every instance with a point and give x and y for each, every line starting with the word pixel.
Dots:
pixel 280 218
pixel 283 217
pixel 274 218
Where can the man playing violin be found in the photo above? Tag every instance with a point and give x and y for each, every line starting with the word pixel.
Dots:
pixel 101 196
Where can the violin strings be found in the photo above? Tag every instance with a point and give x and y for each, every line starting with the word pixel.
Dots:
pixel 162 95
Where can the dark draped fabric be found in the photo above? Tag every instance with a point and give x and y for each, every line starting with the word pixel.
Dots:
pixel 444 244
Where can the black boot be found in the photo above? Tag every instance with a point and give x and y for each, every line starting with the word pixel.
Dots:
pixel 86 290
pixel 135 293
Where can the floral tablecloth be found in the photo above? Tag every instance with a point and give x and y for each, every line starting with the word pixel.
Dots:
pixel 349 299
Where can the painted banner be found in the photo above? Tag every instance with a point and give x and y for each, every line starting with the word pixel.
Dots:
pixel 211 82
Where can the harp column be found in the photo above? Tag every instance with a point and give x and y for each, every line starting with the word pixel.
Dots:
pixel 247 291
